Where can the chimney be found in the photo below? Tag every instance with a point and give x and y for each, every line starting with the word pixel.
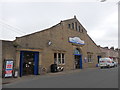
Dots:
pixel 116 49
pixel 112 48
pixel 75 16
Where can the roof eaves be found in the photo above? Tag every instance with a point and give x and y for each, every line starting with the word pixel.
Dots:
pixel 39 31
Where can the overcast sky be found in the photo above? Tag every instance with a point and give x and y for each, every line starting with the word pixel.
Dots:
pixel 99 18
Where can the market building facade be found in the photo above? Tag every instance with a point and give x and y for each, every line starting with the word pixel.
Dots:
pixel 66 44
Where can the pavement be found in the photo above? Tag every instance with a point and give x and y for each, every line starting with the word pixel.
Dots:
pixel 11 80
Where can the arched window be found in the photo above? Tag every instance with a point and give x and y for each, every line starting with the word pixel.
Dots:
pixel 76 26
pixel 79 28
pixel 69 26
pixel 77 51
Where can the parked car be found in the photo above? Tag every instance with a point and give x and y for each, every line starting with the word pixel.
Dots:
pixel 115 63
pixel 106 62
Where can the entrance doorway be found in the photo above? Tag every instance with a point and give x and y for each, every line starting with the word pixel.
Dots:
pixel 29 63
pixel 78 59
pixel 98 58
pixel 77 62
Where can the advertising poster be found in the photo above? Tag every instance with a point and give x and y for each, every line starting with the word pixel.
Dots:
pixel 9 69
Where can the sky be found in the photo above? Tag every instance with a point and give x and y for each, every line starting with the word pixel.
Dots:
pixel 22 17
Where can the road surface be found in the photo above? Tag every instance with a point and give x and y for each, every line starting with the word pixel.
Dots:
pixel 86 78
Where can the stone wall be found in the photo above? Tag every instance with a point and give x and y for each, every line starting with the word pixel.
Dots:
pixel 8 51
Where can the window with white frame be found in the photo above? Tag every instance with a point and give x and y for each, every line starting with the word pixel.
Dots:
pixel 59 58
pixel 90 57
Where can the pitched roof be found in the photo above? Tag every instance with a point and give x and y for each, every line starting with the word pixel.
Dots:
pixel 39 31
pixel 54 26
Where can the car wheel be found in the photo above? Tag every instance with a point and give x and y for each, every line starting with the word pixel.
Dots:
pixel 108 66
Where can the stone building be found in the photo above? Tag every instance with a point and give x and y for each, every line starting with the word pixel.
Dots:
pixel 67 44
pixel 109 53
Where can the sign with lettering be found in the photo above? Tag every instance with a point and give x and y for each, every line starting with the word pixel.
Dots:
pixel 9 68
pixel 76 40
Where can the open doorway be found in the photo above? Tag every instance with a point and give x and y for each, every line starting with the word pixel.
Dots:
pixel 78 59
pixel 29 63
pixel 98 58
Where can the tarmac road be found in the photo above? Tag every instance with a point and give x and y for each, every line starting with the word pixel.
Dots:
pixel 86 78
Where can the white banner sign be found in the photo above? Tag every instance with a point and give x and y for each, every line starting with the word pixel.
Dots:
pixel 76 40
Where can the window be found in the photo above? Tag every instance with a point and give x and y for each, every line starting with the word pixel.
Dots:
pixel 59 58
pixel 63 61
pixel 82 30
pixel 76 26
pixel 69 26
pixel 79 28
pixel 55 58
pixel 72 25
pixel 77 51
pixel 90 59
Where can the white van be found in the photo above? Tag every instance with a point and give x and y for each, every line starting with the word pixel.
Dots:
pixel 106 62
pixel 115 63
